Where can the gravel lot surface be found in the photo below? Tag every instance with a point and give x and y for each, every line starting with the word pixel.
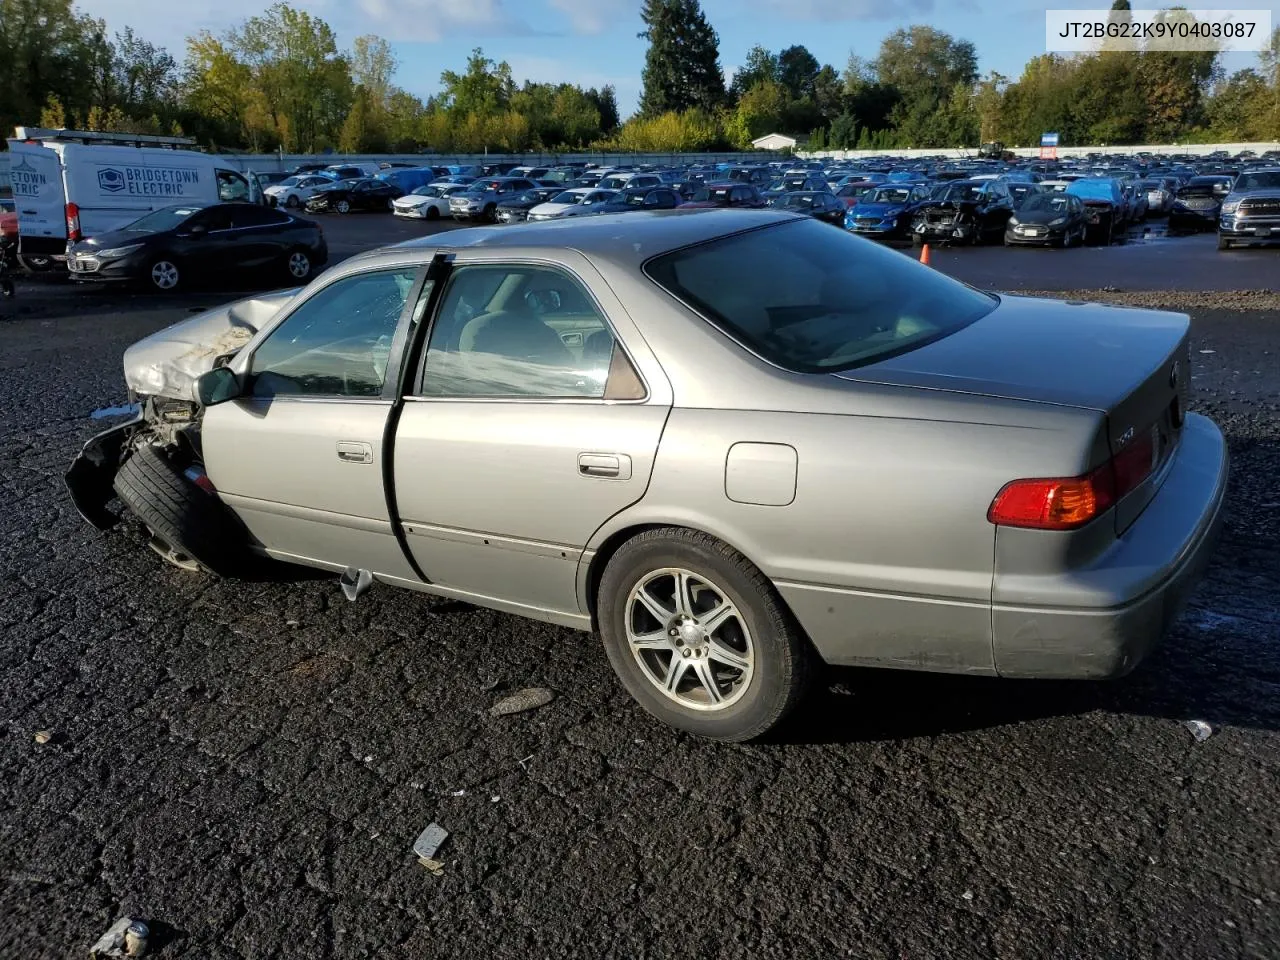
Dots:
pixel 247 764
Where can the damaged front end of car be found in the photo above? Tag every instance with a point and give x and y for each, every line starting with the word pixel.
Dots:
pixel 160 373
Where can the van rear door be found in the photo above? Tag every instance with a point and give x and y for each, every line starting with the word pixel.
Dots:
pixel 36 172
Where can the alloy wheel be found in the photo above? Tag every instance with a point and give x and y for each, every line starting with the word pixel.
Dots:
pixel 689 639
pixel 299 264
pixel 344 206
pixel 164 274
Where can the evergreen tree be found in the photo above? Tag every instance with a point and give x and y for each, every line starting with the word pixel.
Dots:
pixel 682 65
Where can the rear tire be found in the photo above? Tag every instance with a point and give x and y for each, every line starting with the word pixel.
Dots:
pixel 343 206
pixel 774 659
pixel 298 265
pixel 36 264
pixel 188 525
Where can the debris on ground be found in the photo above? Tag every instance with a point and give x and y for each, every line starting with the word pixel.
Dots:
pixel 457 793
pixel 428 843
pixel 434 867
pixel 967 895
pixel 1199 729
pixel 489 686
pixel 530 698
pixel 44 736
pixel 127 937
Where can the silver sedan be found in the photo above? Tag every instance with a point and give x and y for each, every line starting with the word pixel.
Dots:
pixel 734 444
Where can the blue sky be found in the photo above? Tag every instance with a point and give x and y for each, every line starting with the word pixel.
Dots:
pixel 593 42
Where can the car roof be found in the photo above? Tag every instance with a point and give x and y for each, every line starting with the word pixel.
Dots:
pixel 626 239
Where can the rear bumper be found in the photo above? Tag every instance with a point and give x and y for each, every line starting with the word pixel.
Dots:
pixel 1144 580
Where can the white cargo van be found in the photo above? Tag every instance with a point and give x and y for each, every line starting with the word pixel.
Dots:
pixel 71 184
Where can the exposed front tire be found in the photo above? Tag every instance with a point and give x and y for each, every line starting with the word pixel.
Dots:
pixel 36 264
pixel 699 637
pixel 293 202
pixel 342 206
pixel 432 213
pixel 190 527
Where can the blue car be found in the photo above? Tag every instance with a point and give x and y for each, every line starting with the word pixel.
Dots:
pixel 885 212
pixel 1105 207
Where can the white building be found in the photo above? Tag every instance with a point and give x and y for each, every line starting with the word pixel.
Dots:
pixel 780 141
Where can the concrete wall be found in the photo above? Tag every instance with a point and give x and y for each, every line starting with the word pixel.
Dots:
pixel 1199 150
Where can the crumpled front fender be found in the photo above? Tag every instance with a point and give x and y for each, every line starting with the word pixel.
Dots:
pixel 91 474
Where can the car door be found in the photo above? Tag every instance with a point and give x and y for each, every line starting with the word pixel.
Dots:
pixel 205 243
pixel 516 443
pixel 299 456
pixel 253 236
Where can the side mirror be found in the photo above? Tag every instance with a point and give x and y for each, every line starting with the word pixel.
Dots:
pixel 218 386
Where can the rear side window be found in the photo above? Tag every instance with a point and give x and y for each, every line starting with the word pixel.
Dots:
pixel 812 299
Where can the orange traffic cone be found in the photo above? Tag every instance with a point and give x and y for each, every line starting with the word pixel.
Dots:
pixel 924 254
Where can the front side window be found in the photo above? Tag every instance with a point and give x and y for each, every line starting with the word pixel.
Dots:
pixel 338 342
pixel 518 331
pixel 812 299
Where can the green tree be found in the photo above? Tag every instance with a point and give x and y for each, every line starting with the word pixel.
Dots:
pixel 682 64
pixel 606 102
pixel 485 87
pixel 797 68
pixel 759 111
pixel 759 65
pixel 53 117
pixel 145 77
pixel 372 67
pixel 988 101
pixel 828 93
pixel 844 132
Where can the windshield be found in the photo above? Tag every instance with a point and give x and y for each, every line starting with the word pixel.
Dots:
pixel 712 195
pixel 854 190
pixel 1265 180
pixel 890 195
pixel 613 183
pixel 163 219
pixel 1044 203
pixel 568 197
pixel 957 193
pixel 801 201
pixel 814 300
pixel 427 192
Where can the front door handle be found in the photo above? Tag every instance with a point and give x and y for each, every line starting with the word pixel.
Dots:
pixel 353 451
pixel 604 466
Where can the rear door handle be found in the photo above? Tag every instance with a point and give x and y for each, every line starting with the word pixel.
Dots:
pixel 353 451
pixel 604 466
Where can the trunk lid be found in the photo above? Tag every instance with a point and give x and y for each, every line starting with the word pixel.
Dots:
pixel 1131 365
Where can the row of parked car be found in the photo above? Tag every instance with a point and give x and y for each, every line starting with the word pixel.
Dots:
pixel 1019 204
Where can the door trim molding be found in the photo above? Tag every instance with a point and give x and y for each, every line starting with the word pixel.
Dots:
pixel 537 548
pixel 295 512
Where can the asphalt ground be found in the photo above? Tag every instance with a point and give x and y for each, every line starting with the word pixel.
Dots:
pixel 247 764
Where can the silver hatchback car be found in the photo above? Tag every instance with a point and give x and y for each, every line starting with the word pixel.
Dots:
pixel 733 443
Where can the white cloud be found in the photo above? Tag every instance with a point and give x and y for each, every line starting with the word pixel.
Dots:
pixel 432 20
pixel 835 10
pixel 597 16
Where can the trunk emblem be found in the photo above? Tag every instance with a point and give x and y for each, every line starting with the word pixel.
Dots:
pixel 1125 437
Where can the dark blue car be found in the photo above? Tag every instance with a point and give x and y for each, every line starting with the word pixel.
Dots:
pixel 885 212
pixel 641 198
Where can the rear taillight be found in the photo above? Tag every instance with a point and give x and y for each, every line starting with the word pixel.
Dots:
pixel 73 222
pixel 1065 503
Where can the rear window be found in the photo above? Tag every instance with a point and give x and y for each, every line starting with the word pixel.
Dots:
pixel 816 300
